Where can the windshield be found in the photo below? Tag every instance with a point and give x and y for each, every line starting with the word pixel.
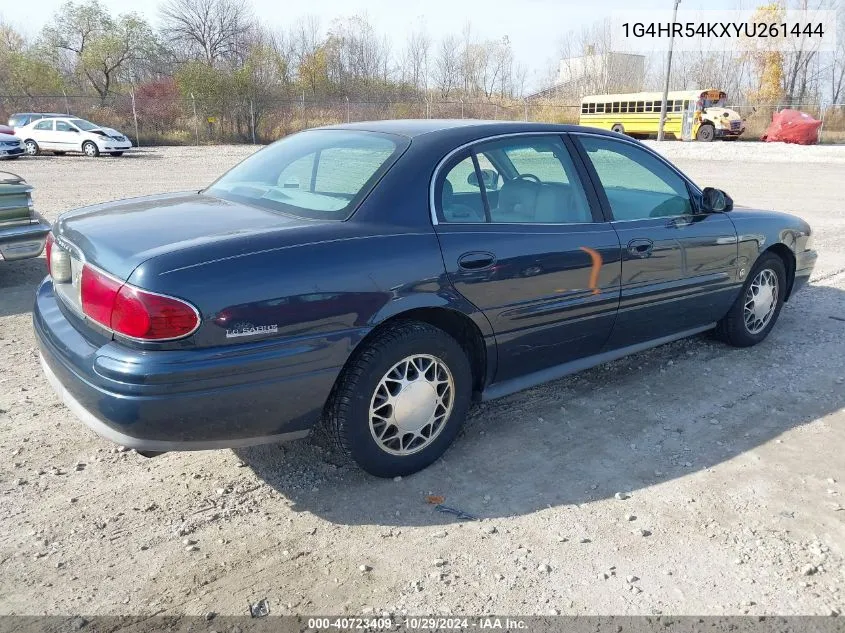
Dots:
pixel 715 103
pixel 84 125
pixel 319 174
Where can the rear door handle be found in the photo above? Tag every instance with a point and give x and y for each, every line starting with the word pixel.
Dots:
pixel 641 247
pixel 476 260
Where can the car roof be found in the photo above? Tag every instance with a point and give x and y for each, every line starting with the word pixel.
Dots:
pixel 446 127
pixel 44 114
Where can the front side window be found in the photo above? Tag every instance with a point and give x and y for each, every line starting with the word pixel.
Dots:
pixel 45 124
pixel 319 174
pixel 529 180
pixel 638 185
pixel 63 126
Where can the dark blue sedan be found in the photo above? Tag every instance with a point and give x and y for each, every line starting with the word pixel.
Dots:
pixel 379 277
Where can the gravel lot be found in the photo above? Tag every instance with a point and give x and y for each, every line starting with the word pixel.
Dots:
pixel 729 464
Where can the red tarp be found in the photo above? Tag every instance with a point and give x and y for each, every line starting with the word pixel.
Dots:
pixel 792 126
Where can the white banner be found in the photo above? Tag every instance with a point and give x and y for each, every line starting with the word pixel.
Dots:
pixel 705 30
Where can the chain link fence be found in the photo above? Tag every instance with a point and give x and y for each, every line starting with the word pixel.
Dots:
pixel 186 121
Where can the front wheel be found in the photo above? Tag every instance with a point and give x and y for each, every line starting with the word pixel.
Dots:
pixel 31 147
pixel 706 133
pixel 90 149
pixel 402 400
pixel 618 128
pixel 755 311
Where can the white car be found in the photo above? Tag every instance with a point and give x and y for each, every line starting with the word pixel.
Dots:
pixel 10 146
pixel 70 134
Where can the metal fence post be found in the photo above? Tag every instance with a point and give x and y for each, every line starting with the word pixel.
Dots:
pixel 462 107
pixel 347 109
pixel 67 105
pixel 525 110
pixel 196 119
pixel 252 120
pixel 135 117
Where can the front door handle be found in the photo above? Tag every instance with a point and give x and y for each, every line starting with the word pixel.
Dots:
pixel 476 260
pixel 641 247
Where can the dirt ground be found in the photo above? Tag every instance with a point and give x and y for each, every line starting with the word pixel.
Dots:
pixel 729 464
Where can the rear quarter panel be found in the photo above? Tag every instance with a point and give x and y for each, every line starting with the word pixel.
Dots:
pixel 336 286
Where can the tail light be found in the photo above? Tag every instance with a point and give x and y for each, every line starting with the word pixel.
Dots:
pixel 48 252
pixel 134 312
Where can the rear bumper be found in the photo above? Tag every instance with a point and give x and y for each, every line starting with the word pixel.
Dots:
pixel 24 241
pixel 182 400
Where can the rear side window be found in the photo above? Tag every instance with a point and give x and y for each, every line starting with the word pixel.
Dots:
pixel 319 174
pixel 46 124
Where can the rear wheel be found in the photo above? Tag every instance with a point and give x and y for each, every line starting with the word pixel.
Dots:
pixel 756 309
pixel 618 128
pixel 402 400
pixel 31 147
pixel 706 133
pixel 90 149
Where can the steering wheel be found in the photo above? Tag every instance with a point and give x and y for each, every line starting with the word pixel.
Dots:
pixel 528 177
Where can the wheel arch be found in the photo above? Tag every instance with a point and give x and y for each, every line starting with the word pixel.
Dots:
pixel 455 323
pixel 788 257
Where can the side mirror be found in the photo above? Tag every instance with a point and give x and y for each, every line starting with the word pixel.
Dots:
pixel 489 176
pixel 715 201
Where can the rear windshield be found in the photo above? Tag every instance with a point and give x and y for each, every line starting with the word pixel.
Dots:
pixel 319 174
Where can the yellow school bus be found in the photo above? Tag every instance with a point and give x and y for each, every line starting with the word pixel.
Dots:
pixel 690 114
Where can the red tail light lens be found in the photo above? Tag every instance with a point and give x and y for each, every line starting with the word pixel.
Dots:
pixel 134 312
pixel 48 251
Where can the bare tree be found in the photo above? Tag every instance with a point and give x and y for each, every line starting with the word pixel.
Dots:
pixel 447 66
pixel 415 59
pixel 210 30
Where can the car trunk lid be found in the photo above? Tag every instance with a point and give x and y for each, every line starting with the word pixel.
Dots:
pixel 118 236
pixel 15 200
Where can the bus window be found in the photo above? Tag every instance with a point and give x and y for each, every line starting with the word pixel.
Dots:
pixel 649 106
pixel 592 109
pixel 616 106
pixel 583 108
pixel 640 106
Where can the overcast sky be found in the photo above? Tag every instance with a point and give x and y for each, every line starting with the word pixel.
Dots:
pixel 533 26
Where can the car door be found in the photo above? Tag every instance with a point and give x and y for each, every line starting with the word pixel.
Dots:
pixel 524 240
pixel 42 133
pixel 66 138
pixel 679 266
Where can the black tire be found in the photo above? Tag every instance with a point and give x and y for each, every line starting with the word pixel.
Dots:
pixel 732 329
pixel 706 133
pixel 90 149
pixel 348 411
pixel 117 153
pixel 31 147
pixel 618 128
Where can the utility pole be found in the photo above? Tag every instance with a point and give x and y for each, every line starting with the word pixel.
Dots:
pixel 668 73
